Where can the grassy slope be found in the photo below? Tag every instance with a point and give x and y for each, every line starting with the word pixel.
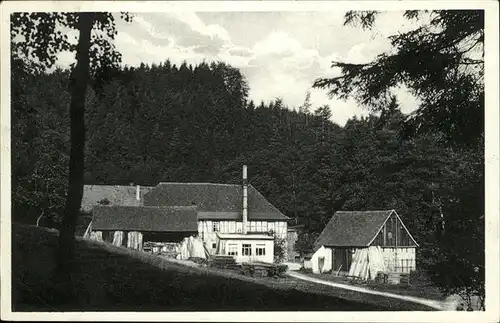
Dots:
pixel 418 288
pixel 113 279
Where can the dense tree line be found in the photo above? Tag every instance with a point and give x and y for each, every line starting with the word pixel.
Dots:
pixel 441 62
pixel 36 39
pixel 195 124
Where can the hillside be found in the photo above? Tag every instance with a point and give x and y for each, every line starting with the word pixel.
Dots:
pixel 111 280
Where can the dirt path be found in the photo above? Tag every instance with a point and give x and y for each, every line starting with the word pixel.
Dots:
pixel 428 302
pixel 296 284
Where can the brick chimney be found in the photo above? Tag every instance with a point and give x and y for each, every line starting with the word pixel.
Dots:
pixel 245 199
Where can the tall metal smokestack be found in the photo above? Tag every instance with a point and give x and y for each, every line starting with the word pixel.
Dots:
pixel 245 199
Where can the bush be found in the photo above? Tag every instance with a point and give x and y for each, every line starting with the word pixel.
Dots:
pixel 277 271
pixel 279 249
pixel 305 242
pixel 282 269
pixel 305 270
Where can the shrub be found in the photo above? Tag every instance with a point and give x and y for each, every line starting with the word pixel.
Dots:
pixel 279 249
pixel 282 269
pixel 305 242
pixel 277 271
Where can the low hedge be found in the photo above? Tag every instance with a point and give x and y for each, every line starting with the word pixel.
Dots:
pixel 277 271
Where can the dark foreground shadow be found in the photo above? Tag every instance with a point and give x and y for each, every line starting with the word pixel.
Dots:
pixel 108 281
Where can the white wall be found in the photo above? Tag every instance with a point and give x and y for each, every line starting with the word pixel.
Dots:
pixel 225 247
pixel 325 253
pixel 209 236
pixel 404 258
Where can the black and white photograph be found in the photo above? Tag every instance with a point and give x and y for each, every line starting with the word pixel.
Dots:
pixel 263 160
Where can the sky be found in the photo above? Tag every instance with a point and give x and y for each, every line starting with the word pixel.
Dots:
pixel 279 53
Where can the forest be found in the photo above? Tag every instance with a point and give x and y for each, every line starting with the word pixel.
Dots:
pixel 188 123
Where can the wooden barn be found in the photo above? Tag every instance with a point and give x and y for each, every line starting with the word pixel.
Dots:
pixel 97 195
pixel 132 226
pixel 350 231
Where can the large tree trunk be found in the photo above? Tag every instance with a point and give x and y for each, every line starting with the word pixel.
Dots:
pixel 78 88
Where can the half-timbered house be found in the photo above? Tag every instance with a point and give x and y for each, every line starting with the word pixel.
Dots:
pixel 230 219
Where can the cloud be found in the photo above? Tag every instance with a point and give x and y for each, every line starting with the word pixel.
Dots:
pixel 150 29
pixel 183 28
pixel 280 53
pixel 137 51
pixel 277 43
pixel 192 20
pixel 366 52
pixel 240 51
pixel 208 49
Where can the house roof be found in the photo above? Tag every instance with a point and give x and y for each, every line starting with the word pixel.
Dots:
pixel 115 194
pixel 142 218
pixel 235 216
pixel 214 201
pixel 352 228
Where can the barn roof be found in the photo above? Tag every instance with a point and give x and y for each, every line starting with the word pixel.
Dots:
pixel 352 228
pixel 115 194
pixel 145 218
pixel 214 201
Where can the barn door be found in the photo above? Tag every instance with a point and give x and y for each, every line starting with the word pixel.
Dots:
pixel 348 258
pixel 337 260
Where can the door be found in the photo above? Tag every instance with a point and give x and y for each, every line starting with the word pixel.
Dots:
pixel 348 258
pixel 321 263
pixel 337 260
pixel 342 258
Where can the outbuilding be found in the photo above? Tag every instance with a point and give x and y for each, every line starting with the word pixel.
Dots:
pixel 350 231
pixel 132 226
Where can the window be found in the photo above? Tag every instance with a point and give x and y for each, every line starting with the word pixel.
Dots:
pixel 214 245
pixel 246 250
pixel 232 250
pixel 260 250
pixel 261 226
pixel 215 226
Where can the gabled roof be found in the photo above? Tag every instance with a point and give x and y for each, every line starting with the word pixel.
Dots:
pixel 142 218
pixel 353 228
pixel 115 194
pixel 236 216
pixel 214 201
